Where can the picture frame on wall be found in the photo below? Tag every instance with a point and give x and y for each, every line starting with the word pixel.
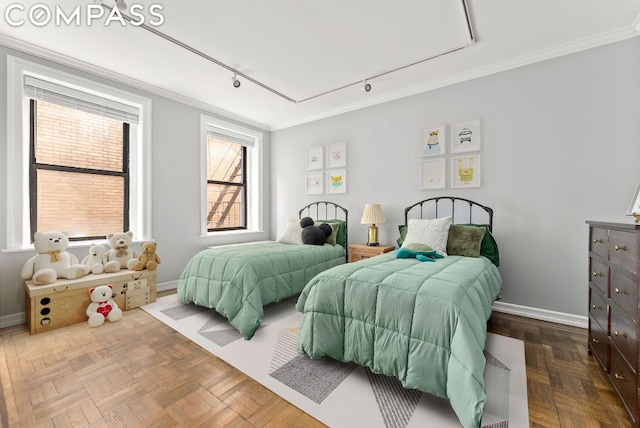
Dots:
pixel 314 183
pixel 634 206
pixel 315 158
pixel 434 141
pixel 336 181
pixel 466 137
pixel 432 174
pixel 465 171
pixel 337 155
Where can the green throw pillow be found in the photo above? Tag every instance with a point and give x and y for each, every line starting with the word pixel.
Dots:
pixel 331 239
pixel 465 240
pixel 402 228
pixel 489 246
pixel 341 234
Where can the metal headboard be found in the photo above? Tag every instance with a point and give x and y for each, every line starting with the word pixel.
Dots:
pixel 434 207
pixel 326 210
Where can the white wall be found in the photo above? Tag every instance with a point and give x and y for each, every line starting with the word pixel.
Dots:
pixel 561 145
pixel 175 190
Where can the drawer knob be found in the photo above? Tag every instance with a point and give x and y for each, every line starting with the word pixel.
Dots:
pixel 594 340
pixel 617 376
pixel 620 248
pixel 618 334
pixel 595 307
pixel 596 274
pixel 597 241
pixel 620 291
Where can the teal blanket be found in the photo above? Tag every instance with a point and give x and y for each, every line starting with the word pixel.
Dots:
pixel 423 323
pixel 239 280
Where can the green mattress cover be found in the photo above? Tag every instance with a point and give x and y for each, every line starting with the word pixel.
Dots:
pixel 239 280
pixel 423 323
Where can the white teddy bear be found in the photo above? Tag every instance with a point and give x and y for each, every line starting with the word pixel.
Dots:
pixel 102 306
pixel 95 259
pixel 52 261
pixel 120 256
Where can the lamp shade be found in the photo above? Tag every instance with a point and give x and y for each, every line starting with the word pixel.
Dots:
pixel 372 214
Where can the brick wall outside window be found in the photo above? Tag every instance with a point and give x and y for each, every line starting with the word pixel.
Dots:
pixel 80 204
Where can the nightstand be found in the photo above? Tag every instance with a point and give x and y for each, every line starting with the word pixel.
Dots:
pixel 363 251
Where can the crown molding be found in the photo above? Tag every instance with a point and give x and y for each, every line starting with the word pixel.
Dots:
pixel 497 67
pixel 65 60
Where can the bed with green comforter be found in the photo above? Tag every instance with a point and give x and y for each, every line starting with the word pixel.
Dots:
pixel 421 322
pixel 239 280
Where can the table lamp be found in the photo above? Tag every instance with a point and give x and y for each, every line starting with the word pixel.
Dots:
pixel 372 215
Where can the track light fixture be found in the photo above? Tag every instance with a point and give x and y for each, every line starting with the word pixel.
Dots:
pixel 366 86
pixel 121 5
pixel 236 82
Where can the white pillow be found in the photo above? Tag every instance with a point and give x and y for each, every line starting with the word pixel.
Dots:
pixel 293 233
pixel 433 233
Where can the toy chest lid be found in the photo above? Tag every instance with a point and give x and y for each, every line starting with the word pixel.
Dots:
pixel 87 281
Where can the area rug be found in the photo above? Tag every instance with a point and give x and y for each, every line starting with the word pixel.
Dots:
pixel 339 394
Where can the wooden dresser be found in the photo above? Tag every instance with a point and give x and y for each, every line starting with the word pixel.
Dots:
pixel 613 306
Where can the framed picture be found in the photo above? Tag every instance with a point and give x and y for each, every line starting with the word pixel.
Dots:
pixel 634 206
pixel 466 137
pixel 465 171
pixel 314 183
pixel 434 141
pixel 337 181
pixel 315 157
pixel 432 174
pixel 337 155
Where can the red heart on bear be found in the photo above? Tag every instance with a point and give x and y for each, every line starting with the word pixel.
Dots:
pixel 104 310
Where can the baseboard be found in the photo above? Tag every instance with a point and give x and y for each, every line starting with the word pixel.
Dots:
pixel 541 314
pixel 21 317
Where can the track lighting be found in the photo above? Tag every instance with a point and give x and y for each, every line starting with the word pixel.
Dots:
pixel 366 86
pixel 121 5
pixel 236 82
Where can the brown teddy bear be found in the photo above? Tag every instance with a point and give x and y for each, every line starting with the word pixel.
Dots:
pixel 148 258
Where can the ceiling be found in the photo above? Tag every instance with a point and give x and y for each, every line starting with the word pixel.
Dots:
pixel 301 60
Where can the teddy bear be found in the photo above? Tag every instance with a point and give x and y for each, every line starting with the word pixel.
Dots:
pixel 314 235
pixel 102 306
pixel 94 259
pixel 148 258
pixel 52 261
pixel 120 256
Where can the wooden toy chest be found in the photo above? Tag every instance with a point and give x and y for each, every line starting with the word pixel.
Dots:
pixel 65 302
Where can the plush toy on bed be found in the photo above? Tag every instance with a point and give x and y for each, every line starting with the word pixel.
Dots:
pixel 424 253
pixel 314 235
pixel 148 258
pixel 120 256
pixel 102 306
pixel 52 261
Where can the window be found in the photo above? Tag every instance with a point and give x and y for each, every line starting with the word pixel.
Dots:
pixel 232 184
pixel 78 157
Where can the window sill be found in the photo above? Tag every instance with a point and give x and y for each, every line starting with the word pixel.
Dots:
pixel 72 245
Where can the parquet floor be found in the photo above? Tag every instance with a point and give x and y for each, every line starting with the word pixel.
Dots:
pixel 140 373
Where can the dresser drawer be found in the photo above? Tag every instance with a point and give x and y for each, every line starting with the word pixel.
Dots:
pixel 624 293
pixel 599 275
pixel 623 335
pixel 625 381
pixel 623 250
pixel 598 308
pixel 598 343
pixel 599 242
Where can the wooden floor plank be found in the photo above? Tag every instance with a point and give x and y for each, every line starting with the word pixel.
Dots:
pixel 138 372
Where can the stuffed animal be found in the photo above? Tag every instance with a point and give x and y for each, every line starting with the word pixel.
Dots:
pixel 102 306
pixel 148 258
pixel 52 261
pixel 95 258
pixel 314 235
pixel 120 256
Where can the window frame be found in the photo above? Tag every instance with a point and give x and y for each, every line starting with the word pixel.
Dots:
pixel 18 219
pixel 254 178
